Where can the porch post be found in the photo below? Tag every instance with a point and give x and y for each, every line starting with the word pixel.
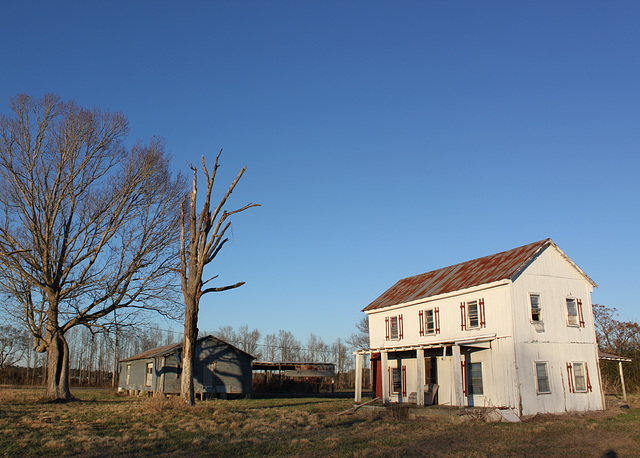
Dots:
pixel 624 390
pixel 384 362
pixel 421 378
pixel 358 377
pixel 457 375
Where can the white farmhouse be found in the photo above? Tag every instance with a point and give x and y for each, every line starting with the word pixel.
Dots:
pixel 512 330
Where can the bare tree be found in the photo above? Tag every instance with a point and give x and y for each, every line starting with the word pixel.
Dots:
pixel 270 347
pixel 359 340
pixel 88 226
pixel 14 343
pixel 202 237
pixel 288 346
pixel 226 333
pixel 248 340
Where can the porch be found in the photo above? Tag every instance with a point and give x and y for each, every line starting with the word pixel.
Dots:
pixel 422 377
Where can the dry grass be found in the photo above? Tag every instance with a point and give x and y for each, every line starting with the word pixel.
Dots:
pixel 106 424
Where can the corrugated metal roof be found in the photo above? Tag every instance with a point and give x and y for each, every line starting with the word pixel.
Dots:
pixel 169 349
pixel 154 352
pixel 500 266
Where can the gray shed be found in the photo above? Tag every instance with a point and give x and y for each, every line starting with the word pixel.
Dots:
pixel 220 369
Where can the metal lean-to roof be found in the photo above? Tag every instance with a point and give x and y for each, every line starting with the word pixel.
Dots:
pixel 500 266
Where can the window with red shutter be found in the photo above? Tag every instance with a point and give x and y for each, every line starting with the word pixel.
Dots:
pixel 580 315
pixel 463 370
pixel 570 377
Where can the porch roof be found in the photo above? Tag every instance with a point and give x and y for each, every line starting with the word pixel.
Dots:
pixel 609 356
pixel 470 342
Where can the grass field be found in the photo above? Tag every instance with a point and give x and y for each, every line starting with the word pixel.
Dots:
pixel 102 423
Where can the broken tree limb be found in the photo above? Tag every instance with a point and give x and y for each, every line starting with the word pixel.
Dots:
pixel 356 407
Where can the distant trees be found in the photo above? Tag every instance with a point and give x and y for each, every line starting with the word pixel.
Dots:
pixel 202 236
pixel 14 343
pixel 620 338
pixel 88 225
pixel 359 340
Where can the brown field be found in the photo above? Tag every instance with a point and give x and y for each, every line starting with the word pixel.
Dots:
pixel 102 423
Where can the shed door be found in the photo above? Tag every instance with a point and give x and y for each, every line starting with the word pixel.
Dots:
pixel 208 374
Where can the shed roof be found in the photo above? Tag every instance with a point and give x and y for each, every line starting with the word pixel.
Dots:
pixel 173 348
pixel 500 266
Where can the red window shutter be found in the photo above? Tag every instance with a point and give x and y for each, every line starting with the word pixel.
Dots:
pixel 570 377
pixel 404 381
pixel 400 328
pixel 483 322
pixel 386 322
pixel 463 317
pixel 421 320
pixel 436 318
pixel 586 371
pixel 390 381
pixel 463 370
pixel 580 315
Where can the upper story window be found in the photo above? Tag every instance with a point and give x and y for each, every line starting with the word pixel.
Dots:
pixel 536 308
pixel 574 312
pixel 429 321
pixel 127 377
pixel 394 327
pixel 472 315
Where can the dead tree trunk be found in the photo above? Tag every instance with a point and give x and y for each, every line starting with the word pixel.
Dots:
pixel 205 240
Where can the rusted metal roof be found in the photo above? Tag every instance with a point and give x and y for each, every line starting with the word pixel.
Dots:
pixel 154 352
pixel 609 356
pixel 500 266
pixel 173 348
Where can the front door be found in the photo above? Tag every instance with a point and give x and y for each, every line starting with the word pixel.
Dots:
pixel 208 375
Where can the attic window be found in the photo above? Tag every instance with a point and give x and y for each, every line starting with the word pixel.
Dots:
pixel 536 310
pixel 572 312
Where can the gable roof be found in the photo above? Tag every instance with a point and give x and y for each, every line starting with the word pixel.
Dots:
pixel 500 266
pixel 174 348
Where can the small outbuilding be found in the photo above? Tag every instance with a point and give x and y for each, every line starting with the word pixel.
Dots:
pixel 220 369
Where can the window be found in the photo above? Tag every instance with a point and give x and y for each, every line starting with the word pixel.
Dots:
pixel 127 376
pixel 572 312
pixel 394 328
pixel 578 375
pixel 536 310
pixel 429 321
pixel 579 378
pixel 472 315
pixel 474 318
pixel 149 377
pixel 396 381
pixel 542 378
pixel 475 379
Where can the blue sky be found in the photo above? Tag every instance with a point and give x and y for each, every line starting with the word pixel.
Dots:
pixel 383 139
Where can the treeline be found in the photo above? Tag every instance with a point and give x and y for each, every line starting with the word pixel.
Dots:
pixel 94 355
pixel 621 338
